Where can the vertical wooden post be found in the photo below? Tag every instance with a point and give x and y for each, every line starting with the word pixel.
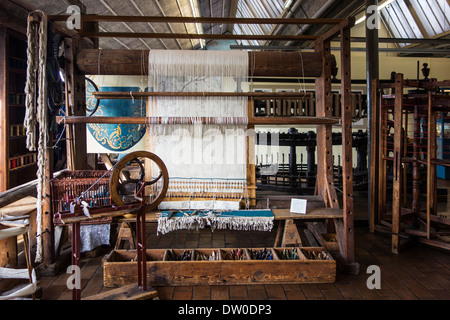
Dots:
pixel 415 164
pixel 4 114
pixel 48 238
pixel 324 132
pixel 8 247
pixel 347 167
pixel 75 106
pixel 382 154
pixel 431 168
pixel 251 171
pixel 374 152
pixel 396 187
pixel 372 73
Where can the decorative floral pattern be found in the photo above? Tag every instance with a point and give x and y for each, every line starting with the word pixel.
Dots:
pixel 116 137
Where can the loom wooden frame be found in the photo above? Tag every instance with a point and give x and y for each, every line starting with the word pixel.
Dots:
pixel 380 218
pixel 75 96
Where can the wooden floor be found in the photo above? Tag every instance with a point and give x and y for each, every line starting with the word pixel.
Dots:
pixel 420 272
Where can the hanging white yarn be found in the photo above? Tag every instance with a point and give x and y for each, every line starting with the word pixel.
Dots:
pixel 37 59
pixel 193 151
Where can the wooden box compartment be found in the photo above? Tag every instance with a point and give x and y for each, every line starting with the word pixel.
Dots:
pixel 178 255
pixel 329 241
pixel 229 254
pixel 120 267
pixel 315 254
pixel 288 253
pixel 262 254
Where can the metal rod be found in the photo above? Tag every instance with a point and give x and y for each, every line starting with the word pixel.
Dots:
pixel 176 19
pixel 298 48
pixel 204 120
pixel 195 36
pixel 141 94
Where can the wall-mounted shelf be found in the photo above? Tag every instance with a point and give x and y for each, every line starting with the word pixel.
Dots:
pixel 18 164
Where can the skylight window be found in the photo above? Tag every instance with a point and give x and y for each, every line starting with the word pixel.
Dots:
pixel 257 9
pixel 416 18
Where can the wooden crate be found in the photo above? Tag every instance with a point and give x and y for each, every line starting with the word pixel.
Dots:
pixel 120 268
pixel 329 241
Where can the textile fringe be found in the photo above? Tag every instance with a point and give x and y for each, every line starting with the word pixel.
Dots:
pixel 166 224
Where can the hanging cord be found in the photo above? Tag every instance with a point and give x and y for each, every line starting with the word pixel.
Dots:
pixel 62 133
pixel 303 75
pixel 37 60
pixel 98 180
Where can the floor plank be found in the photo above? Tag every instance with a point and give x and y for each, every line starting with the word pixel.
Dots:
pixel 312 292
pixel 201 293
pixel 418 273
pixel 257 292
pixel 238 293
pixel 220 293
pixel 275 292
pixel 182 293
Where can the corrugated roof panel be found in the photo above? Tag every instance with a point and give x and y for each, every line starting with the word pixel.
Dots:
pixel 432 18
pixel 444 9
pixel 392 19
pixel 257 9
pixel 408 19
pixel 423 18
pixel 429 13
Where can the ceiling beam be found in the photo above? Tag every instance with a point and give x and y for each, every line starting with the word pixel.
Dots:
pixel 196 36
pixel 168 24
pixel 176 19
pixel 123 22
pixel 148 23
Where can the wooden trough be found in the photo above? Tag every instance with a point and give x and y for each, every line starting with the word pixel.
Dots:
pixel 312 265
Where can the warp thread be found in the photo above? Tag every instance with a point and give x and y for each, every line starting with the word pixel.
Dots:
pixel 185 130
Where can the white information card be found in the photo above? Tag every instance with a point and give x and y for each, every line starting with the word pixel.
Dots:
pixel 298 206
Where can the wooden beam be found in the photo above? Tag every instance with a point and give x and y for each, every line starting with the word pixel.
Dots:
pixel 144 94
pixel 232 14
pixel 206 36
pixel 4 112
pixel 334 31
pixel 324 132
pixel 435 243
pixel 261 63
pixel 127 292
pixel 205 120
pixel 347 167
pixel 431 168
pixel 435 219
pixel 374 163
pixel 75 100
pixel 179 19
pixel 396 187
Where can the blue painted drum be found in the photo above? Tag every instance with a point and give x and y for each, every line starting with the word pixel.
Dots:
pixel 116 137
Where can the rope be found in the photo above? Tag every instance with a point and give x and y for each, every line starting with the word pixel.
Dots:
pixel 37 60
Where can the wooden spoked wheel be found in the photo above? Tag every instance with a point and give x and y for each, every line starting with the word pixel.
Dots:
pixel 129 176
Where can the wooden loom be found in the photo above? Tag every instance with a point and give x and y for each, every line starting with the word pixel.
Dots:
pixel 404 134
pixel 82 60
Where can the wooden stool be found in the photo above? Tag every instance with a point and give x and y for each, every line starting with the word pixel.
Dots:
pixel 125 234
pixel 288 234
